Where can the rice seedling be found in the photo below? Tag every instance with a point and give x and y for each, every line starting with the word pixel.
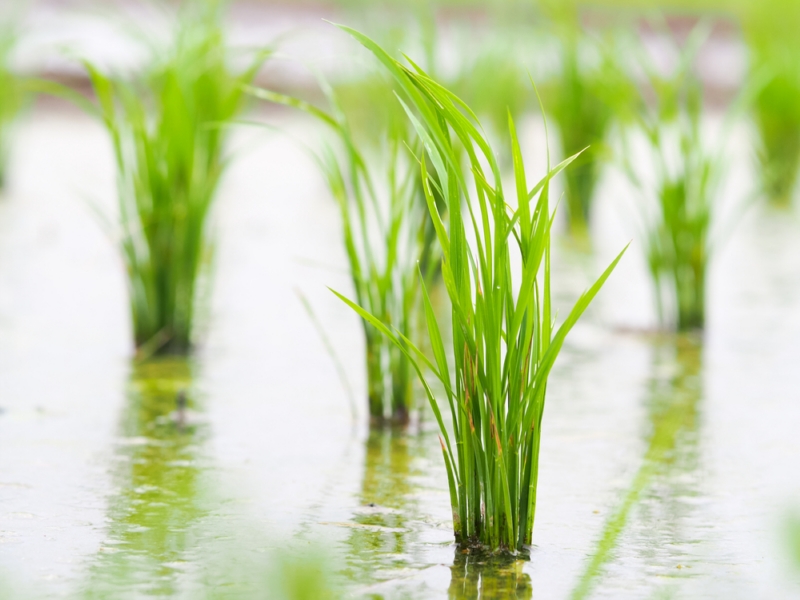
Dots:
pixel 583 97
pixel 677 224
pixel 503 338
pixel 168 129
pixel 386 236
pixel 775 58
pixel 11 95
pixel 495 60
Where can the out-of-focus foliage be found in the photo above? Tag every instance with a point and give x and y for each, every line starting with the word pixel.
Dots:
pixel 291 573
pixel 302 578
pixel 587 92
pixel 372 111
pixel 677 207
pixel 793 538
pixel 493 80
pixel 168 131
pixel 387 235
pixel 11 94
pixel 770 27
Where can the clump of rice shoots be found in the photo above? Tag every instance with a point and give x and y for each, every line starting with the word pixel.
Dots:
pixel 770 28
pixel 385 228
pixel 494 60
pixel 583 98
pixel 777 118
pixel 11 95
pixel 168 131
pixel 496 270
pixel 793 538
pixel 677 223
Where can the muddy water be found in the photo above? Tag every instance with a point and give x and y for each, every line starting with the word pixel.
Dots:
pixel 667 464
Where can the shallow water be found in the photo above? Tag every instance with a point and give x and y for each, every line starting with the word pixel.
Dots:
pixel 667 464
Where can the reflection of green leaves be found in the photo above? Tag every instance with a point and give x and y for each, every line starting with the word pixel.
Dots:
pixel 672 418
pixel 156 505
pixel 381 533
pixel 167 535
pixel 476 576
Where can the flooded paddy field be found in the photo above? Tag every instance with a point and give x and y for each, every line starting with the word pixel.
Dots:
pixel 668 463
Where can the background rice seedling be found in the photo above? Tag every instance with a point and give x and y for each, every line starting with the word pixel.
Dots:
pixel 677 209
pixel 168 128
pixel 770 30
pixel 11 94
pixel 587 92
pixel 504 343
pixel 386 235
pixel 496 60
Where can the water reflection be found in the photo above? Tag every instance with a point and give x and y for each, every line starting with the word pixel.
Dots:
pixel 488 578
pixel 382 528
pixel 665 478
pixel 151 514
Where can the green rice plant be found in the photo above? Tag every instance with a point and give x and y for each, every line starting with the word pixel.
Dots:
pixel 11 95
pixel 496 270
pixel 584 96
pixel 366 103
pixel 385 229
pixel 495 60
pixel 770 29
pixel 677 224
pixel 167 127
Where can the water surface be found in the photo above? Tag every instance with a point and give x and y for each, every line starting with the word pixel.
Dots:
pixel 667 463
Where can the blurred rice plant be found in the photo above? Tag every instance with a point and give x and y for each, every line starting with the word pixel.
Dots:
pixel 493 81
pixel 302 577
pixel 588 91
pixel 385 230
pixel 770 27
pixel 168 128
pixel 11 94
pixel 687 175
pixel 291 573
pixel 793 538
